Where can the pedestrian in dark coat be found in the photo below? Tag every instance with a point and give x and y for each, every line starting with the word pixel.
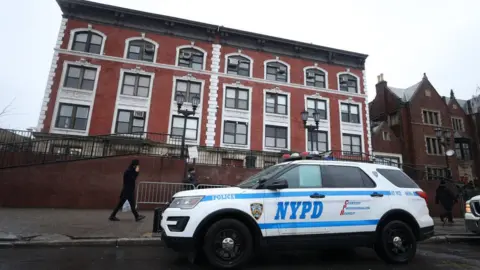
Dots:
pixel 447 199
pixel 191 177
pixel 128 191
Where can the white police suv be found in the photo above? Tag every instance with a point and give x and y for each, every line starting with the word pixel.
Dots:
pixel 472 215
pixel 302 202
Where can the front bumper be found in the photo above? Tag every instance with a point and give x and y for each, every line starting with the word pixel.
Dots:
pixel 426 232
pixel 178 244
pixel 472 225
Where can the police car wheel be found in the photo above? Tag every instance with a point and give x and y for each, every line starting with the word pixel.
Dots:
pixel 397 243
pixel 228 243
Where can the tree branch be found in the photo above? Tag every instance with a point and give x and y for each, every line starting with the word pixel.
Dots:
pixel 6 110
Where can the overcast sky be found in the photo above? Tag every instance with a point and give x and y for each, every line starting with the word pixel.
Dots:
pixel 403 38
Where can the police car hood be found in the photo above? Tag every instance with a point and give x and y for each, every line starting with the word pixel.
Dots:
pixel 476 198
pixel 210 191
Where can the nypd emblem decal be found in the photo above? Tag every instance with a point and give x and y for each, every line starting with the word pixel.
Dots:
pixel 257 210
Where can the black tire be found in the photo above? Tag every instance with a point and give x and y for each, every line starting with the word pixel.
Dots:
pixel 228 229
pixel 388 251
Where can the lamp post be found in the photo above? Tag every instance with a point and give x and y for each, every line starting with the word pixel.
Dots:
pixel 180 99
pixel 443 135
pixel 310 128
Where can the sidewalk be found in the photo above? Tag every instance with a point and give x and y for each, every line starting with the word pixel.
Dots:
pixel 63 224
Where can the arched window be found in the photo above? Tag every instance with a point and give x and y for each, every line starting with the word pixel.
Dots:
pixel 87 41
pixel 276 71
pixel 238 65
pixel 315 77
pixel 190 57
pixel 141 50
pixel 348 83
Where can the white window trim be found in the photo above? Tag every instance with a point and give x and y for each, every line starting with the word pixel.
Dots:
pixel 286 123
pixel 60 99
pixel 242 55
pixel 359 87
pixel 442 150
pixel 399 156
pixel 127 42
pixel 247 116
pixel 205 55
pixel 187 105
pixel 147 100
pixel 440 122
pixel 362 140
pixel 74 31
pixel 266 62
pixel 243 79
pixel 461 120
pixel 360 112
pixel 326 121
pixel 317 68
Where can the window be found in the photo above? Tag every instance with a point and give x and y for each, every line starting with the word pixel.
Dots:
pixel 80 77
pixel 320 141
pixel 387 160
pixel 235 132
pixel 191 58
pixel 303 176
pixel 350 113
pixel 434 147
pixel 348 83
pixel 178 123
pixel 72 116
pixel 457 124
pixel 462 150
pixel 238 65
pixel 317 105
pixel 351 144
pixel 130 121
pixel 431 118
pixel 141 50
pixel 275 136
pixel 277 71
pixel 393 119
pixel 437 174
pixel 386 136
pixel 87 41
pixel 66 150
pixel 188 89
pixel 135 85
pixel 315 78
pixel 276 103
pixel 398 178
pixel 345 177
pixel 236 98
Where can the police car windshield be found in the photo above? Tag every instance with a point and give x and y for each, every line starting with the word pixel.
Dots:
pixel 252 180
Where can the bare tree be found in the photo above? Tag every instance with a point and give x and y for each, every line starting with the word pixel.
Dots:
pixel 7 109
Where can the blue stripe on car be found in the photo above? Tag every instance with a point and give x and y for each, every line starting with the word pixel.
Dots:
pixel 317 224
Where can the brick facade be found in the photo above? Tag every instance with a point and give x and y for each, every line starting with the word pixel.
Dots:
pixel 111 65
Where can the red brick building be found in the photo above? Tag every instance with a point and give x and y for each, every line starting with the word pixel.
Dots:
pixel 411 115
pixel 116 70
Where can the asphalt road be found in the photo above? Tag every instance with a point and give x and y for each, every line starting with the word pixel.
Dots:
pixel 434 256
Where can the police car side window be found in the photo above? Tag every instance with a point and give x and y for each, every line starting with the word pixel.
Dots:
pixel 345 177
pixel 303 176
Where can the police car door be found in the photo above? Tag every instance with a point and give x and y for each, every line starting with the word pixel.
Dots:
pixel 298 208
pixel 355 200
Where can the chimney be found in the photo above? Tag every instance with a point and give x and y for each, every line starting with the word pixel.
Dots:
pixel 380 78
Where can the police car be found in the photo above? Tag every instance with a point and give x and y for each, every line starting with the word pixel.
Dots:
pixel 472 215
pixel 301 203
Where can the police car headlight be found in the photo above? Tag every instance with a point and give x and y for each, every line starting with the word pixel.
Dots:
pixel 186 202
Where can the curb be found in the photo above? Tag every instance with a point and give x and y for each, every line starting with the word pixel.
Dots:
pixel 86 242
pixel 452 239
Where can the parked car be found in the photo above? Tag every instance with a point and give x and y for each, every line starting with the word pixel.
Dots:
pixel 472 215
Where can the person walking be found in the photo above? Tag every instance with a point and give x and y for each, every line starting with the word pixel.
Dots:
pixel 128 191
pixel 447 199
pixel 191 177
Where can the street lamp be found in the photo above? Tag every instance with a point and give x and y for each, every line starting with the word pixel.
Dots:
pixel 180 99
pixel 443 135
pixel 310 128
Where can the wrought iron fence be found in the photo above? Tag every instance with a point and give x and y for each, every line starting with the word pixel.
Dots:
pixel 15 136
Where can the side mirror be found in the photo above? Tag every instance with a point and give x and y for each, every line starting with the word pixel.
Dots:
pixel 278 184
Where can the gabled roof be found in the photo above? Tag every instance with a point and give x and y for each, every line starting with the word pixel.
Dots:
pixel 463 103
pixel 405 94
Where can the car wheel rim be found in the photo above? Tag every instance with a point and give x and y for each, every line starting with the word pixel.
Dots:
pixel 398 242
pixel 228 245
